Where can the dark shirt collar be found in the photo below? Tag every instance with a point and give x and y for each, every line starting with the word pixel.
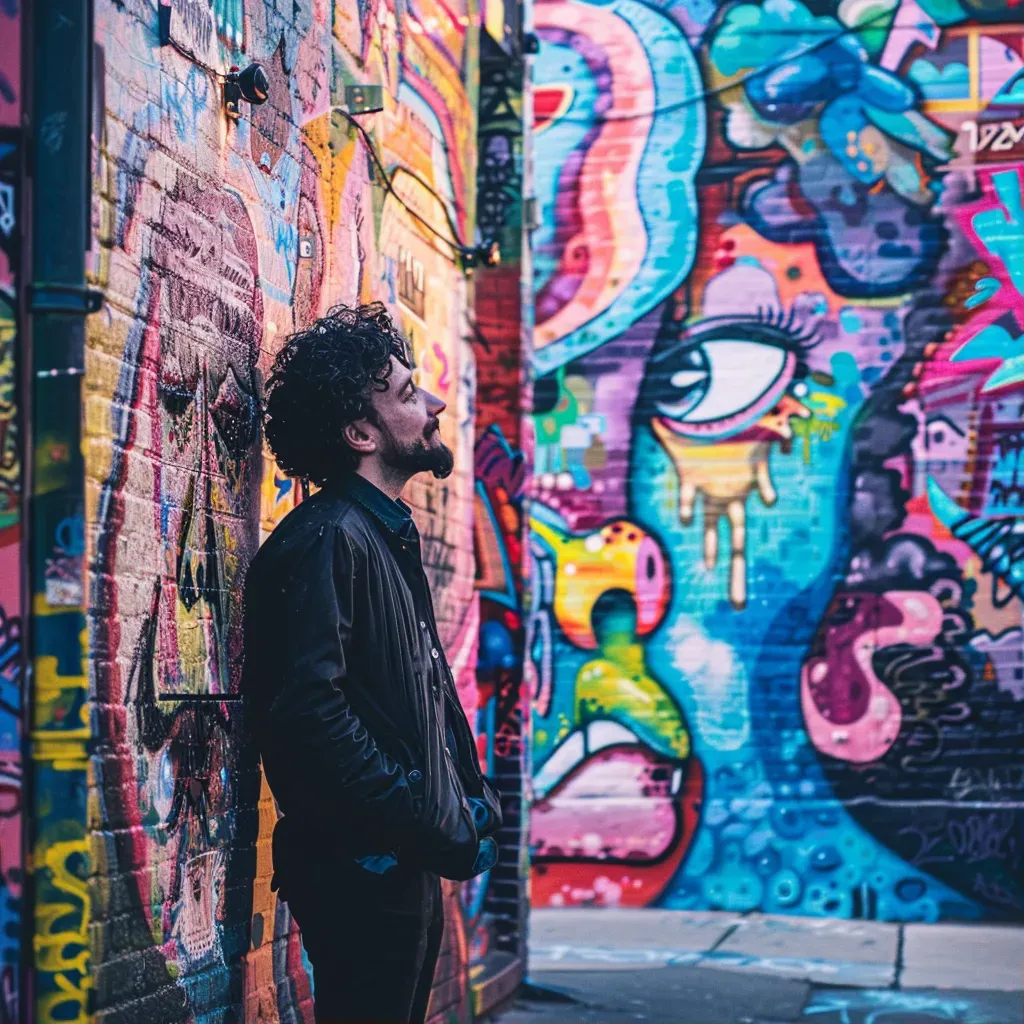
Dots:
pixel 394 515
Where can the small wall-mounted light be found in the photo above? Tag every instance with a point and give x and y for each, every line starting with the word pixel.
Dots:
pixel 251 85
pixel 364 99
pixel 486 254
pixel 490 253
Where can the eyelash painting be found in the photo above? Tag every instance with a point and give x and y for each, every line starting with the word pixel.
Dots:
pixel 723 374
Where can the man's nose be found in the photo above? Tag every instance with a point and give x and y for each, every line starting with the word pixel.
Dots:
pixel 434 404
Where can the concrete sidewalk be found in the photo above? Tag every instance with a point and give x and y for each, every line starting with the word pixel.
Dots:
pixel 820 951
pixel 675 967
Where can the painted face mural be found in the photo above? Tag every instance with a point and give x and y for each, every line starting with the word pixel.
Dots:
pixel 202 335
pixel 776 622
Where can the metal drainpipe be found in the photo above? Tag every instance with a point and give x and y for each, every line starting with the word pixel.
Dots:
pixel 59 53
pixel 23 358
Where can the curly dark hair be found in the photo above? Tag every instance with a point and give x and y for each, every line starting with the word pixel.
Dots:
pixel 321 381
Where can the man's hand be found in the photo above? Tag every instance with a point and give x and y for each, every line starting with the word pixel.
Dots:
pixel 486 856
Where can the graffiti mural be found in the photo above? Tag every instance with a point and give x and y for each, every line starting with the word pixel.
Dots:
pixel 200 333
pixel 493 901
pixel 12 649
pixel 213 239
pixel 776 649
pixel 495 905
pixel 10 67
pixel 881 1006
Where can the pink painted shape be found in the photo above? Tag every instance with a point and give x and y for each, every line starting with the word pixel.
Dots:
pixel 652 585
pixel 10 571
pixel 610 808
pixel 607 204
pixel 10 67
pixel 462 653
pixel 849 713
pixel 997 64
pixel 910 26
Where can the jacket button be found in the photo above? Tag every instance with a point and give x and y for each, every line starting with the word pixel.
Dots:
pixel 433 652
pixel 415 775
pixel 423 625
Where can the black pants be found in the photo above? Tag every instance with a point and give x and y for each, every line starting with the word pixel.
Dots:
pixel 373 941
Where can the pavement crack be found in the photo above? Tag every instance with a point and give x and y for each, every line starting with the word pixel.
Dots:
pixel 721 938
pixel 898 972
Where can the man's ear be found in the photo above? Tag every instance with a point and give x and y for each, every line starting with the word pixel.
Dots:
pixel 359 439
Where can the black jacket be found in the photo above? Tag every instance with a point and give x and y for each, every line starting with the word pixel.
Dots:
pixel 349 696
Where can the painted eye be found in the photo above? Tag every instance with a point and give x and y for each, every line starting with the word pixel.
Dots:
pixel 175 396
pixel 737 377
pixel 234 412
pixel 179 377
pixel 722 377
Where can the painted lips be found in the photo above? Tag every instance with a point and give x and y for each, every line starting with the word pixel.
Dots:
pixel 612 819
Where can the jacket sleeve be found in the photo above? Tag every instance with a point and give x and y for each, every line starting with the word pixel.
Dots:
pixel 310 720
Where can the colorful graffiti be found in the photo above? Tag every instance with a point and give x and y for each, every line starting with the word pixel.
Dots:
pixel 60 852
pixel 10 67
pixel 178 631
pixel 12 650
pixel 877 1006
pixel 60 723
pixel 496 904
pixel 213 239
pixel 493 903
pixel 776 590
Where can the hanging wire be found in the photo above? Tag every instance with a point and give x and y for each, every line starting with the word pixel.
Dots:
pixel 756 73
pixel 402 169
pixel 453 240
pixel 388 184
pixel 388 180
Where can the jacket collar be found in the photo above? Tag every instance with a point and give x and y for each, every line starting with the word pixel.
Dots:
pixel 394 515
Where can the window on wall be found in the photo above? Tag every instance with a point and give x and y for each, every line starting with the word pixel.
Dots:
pixel 411 292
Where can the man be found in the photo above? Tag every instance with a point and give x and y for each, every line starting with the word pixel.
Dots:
pixel 349 695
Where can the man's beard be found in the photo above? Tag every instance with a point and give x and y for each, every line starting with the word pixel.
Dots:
pixel 421 456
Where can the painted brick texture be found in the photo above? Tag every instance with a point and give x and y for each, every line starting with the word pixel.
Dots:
pixel 213 239
pixel 502 454
pixel 776 601
pixel 12 647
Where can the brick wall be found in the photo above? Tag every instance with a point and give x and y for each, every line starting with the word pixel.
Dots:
pixel 213 238
pixel 502 453
pixel 12 648
pixel 777 586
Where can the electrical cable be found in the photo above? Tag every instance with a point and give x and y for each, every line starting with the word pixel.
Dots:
pixel 402 169
pixel 708 93
pixel 454 242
